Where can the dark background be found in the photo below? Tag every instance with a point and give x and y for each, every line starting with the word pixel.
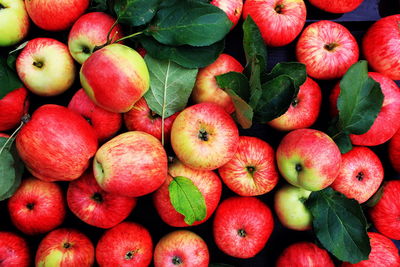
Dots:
pixel 357 22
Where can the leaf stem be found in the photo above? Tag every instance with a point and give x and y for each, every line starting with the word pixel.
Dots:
pixel 163 106
pixel 127 37
pixel 109 32
pixel 23 121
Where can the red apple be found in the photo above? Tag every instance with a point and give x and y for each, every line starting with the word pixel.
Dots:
pixel 360 174
pixel 337 6
pixel 304 254
pixel 14 251
pixel 4 135
pixel 131 164
pixel 394 151
pixel 119 67
pixel 242 226
pixel 232 8
pixel 96 207
pixel 252 170
pixel 383 253
pixel 91 30
pixel 14 22
pixel 55 15
pixel 309 159
pixel 385 214
pixel 56 144
pixel 303 111
pixel 127 244
pixel 327 49
pixel 183 248
pixel 381 46
pixel 106 124
pixel 207 182
pixel 37 207
pixel 206 131
pixel 141 118
pixel 12 107
pixel 279 21
pixel 65 247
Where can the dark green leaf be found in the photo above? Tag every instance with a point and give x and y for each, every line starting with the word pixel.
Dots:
pixel 339 225
pixel 187 199
pixel 98 5
pixel 12 55
pixel 189 23
pixel 186 56
pixel 135 12
pixel 9 80
pixel 243 111
pixel 295 70
pixel 255 83
pixel 372 201
pixel 235 81
pixel 343 142
pixel 7 170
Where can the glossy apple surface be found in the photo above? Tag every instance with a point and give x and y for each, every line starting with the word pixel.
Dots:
pixel 337 6
pixel 232 8
pixel 394 151
pixel 12 107
pixel 14 22
pixel 14 250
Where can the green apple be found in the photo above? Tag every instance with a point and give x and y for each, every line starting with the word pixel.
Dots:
pixel 14 22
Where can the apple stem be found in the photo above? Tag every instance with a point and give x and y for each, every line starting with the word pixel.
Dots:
pixel 109 32
pixel 38 64
pixel 127 37
pixel 176 260
pixel 2 7
pixel 24 120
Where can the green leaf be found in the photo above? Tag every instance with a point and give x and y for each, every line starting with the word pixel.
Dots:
pixel 11 169
pixel 135 12
pixel 98 5
pixel 339 225
pixel 236 81
pixel 243 111
pixel 255 83
pixel 343 142
pixel 9 80
pixel 12 55
pixel 295 70
pixel 372 201
pixel 187 199
pixel 186 56
pixel 189 23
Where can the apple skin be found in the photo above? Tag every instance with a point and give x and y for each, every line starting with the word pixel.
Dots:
pixel 14 22
pixel 127 244
pixel 361 173
pixel 309 159
pixel 55 15
pixel 46 67
pixel 303 111
pixel 91 30
pixel 131 164
pixel 96 207
pixel 207 131
pixel 383 253
pixel 141 118
pixel 252 170
pixel 394 151
pixel 181 247
pixel 4 135
pixel 119 67
pixel 56 144
pixel 242 226
pixel 290 209
pixel 385 214
pixel 65 247
pixel 381 46
pixel 14 250
pixel 338 6
pixel 12 107
pixel 106 124
pixel 37 207
pixel 304 254
pixel 207 182
pixel 279 21
pixel 232 8
pixel 327 49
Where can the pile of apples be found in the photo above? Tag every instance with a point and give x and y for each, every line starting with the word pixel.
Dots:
pixel 112 149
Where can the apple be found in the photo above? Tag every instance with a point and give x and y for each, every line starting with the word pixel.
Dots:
pixel 14 250
pixel 89 31
pixel 309 159
pixel 252 170
pixel 65 247
pixel 206 88
pixel 383 253
pixel 12 107
pixel 37 207
pixel 46 67
pixel 131 164
pixel 327 49
pixel 141 118
pixel 55 15
pixel 242 226
pixel 181 247
pixel 279 21
pixel 337 6
pixel 385 214
pixel 14 22
pixel 96 207
pixel 207 182
pixel 394 151
pixel 387 122
pixel 304 254
pixel 206 131
pixel 360 175
pixel 232 8
pixel 380 46
pixel 303 111
pixel 127 244
pixel 119 67
pixel 106 124
pixel 290 209
pixel 56 144
pixel 4 135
